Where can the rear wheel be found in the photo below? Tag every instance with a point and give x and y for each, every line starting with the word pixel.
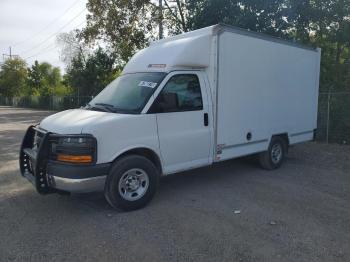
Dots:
pixel 274 156
pixel 131 183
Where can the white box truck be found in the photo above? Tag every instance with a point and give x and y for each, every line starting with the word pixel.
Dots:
pixel 184 102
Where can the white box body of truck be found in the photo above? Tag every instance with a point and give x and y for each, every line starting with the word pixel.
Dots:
pixel 184 102
pixel 264 88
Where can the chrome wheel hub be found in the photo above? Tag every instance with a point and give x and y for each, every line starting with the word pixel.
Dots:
pixel 133 184
pixel 276 153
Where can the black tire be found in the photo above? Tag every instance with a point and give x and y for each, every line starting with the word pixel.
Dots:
pixel 268 160
pixel 114 195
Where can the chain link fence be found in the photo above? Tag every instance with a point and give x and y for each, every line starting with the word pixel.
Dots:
pixel 333 123
pixel 56 103
pixel 333 111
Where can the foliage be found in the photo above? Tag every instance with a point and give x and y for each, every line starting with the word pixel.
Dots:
pixel 259 16
pixel 120 24
pixel 41 79
pixel 44 80
pixel 127 26
pixel 89 75
pixel 13 76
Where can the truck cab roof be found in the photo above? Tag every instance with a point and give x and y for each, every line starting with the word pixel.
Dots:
pixel 189 50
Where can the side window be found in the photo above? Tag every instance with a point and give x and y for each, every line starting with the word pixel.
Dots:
pixel 181 93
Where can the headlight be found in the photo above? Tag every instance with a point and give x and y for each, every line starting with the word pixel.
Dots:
pixel 74 149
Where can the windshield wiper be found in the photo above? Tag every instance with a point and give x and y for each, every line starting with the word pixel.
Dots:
pixel 104 104
pixel 102 107
pixel 116 109
pixel 111 108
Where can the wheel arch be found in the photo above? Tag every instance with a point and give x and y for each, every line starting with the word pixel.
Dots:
pixel 285 137
pixel 145 152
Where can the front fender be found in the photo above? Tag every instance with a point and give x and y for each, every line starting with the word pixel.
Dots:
pixel 117 136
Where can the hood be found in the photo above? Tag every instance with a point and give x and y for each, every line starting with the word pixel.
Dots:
pixel 73 121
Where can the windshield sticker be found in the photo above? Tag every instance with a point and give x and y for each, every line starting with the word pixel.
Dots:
pixel 148 84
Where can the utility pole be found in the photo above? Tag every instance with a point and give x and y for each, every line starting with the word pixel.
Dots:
pixel 9 55
pixel 160 19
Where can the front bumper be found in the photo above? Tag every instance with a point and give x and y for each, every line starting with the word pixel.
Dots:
pixel 50 176
pixel 77 179
pixel 82 185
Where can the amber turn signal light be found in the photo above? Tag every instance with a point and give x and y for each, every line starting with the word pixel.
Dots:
pixel 74 159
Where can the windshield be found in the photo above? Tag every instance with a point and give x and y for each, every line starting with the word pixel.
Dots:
pixel 128 93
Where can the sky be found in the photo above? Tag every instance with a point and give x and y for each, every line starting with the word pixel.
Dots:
pixel 30 27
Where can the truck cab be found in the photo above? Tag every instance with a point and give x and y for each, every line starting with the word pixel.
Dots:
pixel 162 117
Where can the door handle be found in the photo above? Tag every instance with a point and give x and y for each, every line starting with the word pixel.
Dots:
pixel 206 119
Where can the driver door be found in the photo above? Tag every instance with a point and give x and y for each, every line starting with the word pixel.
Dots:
pixel 181 109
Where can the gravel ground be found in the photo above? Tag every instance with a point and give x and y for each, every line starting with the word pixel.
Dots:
pixel 300 212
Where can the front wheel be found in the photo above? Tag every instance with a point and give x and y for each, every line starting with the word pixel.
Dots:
pixel 274 156
pixel 131 183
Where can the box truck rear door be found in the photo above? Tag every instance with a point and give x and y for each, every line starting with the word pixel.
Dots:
pixel 181 107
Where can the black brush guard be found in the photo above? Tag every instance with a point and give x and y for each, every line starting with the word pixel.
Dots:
pixel 33 159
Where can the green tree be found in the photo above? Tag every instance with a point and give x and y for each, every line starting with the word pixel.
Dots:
pixel 260 16
pixel 89 75
pixel 121 24
pixel 13 75
pixel 127 26
pixel 43 79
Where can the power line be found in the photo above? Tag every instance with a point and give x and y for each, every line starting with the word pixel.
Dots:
pixel 48 25
pixel 49 47
pixel 54 34
pixel 42 52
